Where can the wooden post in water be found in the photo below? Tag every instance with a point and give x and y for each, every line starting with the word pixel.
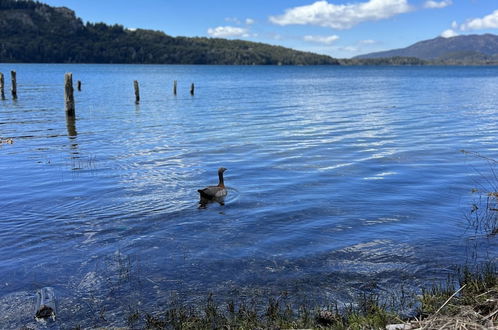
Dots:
pixel 71 126
pixel 137 92
pixel 174 87
pixel 69 94
pixel 45 304
pixel 192 88
pixel 2 86
pixel 79 85
pixel 14 84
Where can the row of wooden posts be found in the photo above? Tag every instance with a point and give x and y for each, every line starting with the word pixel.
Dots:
pixel 69 96
pixel 13 85
pixel 137 90
pixel 68 90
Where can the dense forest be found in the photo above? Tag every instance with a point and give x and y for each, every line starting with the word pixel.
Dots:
pixel 35 32
pixel 396 60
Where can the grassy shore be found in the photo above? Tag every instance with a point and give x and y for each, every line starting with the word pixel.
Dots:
pixel 471 302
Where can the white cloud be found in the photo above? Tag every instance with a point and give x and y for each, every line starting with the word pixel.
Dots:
pixel 228 31
pixel 449 33
pixel 324 14
pixel 349 49
pixel 234 20
pixel 438 4
pixel 327 40
pixel 487 22
pixel 367 42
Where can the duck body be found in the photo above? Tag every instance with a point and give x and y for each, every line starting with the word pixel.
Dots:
pixel 214 193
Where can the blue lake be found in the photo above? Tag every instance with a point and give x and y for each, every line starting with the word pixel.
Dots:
pixel 341 179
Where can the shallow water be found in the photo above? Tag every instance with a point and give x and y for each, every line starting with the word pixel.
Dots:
pixel 340 179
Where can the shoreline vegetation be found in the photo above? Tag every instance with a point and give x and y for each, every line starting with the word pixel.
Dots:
pixel 33 32
pixel 469 302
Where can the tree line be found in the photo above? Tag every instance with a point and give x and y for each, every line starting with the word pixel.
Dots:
pixel 35 32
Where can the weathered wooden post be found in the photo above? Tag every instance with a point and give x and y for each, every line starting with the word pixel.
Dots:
pixel 79 85
pixel 45 304
pixel 192 88
pixel 14 84
pixel 69 94
pixel 2 88
pixel 71 126
pixel 174 87
pixel 137 92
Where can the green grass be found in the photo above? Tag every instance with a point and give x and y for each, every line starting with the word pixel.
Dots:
pixel 367 314
pixel 468 300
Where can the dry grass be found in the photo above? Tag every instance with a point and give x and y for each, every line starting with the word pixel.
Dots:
pixel 473 306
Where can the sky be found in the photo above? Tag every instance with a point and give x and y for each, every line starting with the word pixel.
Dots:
pixel 339 28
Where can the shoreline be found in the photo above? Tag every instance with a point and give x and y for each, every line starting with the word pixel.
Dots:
pixel 471 304
pixel 467 302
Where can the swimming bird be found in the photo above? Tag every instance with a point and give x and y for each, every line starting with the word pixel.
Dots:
pixel 214 193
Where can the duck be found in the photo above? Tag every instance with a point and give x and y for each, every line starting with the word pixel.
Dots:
pixel 215 192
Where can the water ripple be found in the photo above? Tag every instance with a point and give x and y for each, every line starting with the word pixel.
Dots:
pixel 337 177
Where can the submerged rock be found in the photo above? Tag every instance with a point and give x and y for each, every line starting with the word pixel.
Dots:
pixel 91 282
pixel 326 318
pixel 17 310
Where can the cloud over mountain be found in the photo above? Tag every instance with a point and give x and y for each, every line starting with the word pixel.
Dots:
pixel 487 22
pixel 327 40
pixel 228 32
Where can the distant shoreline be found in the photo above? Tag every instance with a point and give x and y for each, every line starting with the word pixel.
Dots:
pixel 393 62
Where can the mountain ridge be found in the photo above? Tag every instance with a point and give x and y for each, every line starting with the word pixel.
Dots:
pixel 473 48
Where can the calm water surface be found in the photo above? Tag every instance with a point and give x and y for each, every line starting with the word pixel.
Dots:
pixel 340 180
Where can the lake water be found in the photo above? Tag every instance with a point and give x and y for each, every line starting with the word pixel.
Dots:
pixel 341 180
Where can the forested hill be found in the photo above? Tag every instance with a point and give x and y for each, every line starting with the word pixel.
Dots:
pixel 37 33
pixel 464 49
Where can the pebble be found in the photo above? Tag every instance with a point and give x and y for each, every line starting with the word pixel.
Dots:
pixel 399 327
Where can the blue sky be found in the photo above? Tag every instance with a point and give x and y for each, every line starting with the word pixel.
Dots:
pixel 340 28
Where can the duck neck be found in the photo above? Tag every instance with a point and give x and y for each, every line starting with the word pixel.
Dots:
pixel 221 183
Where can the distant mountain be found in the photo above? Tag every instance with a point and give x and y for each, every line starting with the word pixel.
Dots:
pixel 465 49
pixel 35 32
